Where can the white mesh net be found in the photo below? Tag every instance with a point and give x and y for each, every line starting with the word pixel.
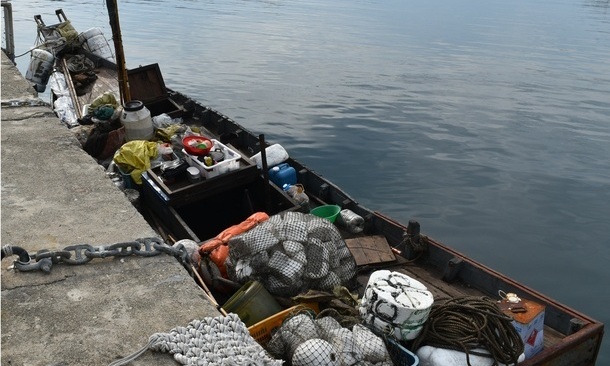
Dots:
pixel 291 253
pixel 304 341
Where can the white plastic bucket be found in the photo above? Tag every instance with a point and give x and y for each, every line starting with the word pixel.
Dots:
pixel 137 121
pixel 94 41
pixel 39 69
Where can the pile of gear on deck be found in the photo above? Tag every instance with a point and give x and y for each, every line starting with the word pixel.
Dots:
pixel 99 129
pixel 299 300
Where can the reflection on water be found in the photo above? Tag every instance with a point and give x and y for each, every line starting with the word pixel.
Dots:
pixel 485 120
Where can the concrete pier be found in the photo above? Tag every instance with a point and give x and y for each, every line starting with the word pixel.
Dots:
pixel 55 195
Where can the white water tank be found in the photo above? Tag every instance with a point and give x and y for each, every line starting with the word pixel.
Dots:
pixel 39 69
pixel 94 41
pixel 137 121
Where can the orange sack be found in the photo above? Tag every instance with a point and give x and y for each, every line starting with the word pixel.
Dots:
pixel 217 249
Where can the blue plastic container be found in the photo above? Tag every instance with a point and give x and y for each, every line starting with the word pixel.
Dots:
pixel 283 174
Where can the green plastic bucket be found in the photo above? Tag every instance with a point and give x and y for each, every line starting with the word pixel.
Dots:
pixel 328 212
pixel 252 303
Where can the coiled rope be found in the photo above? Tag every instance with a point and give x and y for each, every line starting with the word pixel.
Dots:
pixel 469 323
pixel 210 341
pixel 79 63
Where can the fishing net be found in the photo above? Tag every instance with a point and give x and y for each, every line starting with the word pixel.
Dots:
pixel 290 253
pixel 303 340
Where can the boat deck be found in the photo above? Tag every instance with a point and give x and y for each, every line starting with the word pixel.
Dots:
pixel 106 81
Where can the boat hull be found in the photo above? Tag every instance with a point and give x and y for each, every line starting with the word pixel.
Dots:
pixel 570 338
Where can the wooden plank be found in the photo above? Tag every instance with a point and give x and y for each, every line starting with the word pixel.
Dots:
pixel 70 84
pixel 370 250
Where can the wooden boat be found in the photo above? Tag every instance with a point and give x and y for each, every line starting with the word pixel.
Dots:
pixel 570 337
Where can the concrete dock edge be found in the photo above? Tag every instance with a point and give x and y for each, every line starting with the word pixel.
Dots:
pixel 53 194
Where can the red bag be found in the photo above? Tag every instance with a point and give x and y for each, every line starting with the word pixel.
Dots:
pixel 217 249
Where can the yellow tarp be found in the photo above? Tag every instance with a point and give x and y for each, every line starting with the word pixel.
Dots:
pixel 134 158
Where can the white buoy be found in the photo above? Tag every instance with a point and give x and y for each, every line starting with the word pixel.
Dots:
pixel 39 69
pixel 315 352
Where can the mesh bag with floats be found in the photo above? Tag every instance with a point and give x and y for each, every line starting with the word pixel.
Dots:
pixel 303 340
pixel 290 253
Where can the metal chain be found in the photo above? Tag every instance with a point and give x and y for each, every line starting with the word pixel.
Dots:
pixel 44 259
pixel 25 103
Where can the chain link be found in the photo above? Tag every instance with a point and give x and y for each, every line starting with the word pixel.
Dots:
pixel 84 253
pixel 25 103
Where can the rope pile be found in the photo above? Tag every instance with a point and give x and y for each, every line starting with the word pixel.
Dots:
pixel 469 323
pixel 209 341
pixel 79 63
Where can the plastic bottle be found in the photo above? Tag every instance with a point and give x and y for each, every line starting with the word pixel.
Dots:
pixel 297 192
pixel 351 221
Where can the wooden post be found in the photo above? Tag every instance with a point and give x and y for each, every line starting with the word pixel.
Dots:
pixel 261 141
pixel 113 14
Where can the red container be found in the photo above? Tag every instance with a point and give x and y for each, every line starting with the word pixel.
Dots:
pixel 197 145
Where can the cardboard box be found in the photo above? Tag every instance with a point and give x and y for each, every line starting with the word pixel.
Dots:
pixel 528 320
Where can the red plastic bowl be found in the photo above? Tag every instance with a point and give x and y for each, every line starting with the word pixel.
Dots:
pixel 193 145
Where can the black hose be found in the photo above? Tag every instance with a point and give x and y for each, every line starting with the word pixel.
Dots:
pixel 9 250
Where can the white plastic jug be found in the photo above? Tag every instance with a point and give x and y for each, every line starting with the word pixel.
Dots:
pixel 137 121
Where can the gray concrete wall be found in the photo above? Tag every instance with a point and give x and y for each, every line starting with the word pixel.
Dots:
pixel 55 195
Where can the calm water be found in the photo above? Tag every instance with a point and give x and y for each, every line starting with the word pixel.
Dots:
pixel 488 121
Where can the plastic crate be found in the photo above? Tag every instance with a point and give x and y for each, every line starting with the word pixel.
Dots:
pixel 400 355
pixel 230 162
pixel 263 330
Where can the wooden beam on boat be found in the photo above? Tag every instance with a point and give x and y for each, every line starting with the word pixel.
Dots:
pixel 113 14
pixel 70 83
